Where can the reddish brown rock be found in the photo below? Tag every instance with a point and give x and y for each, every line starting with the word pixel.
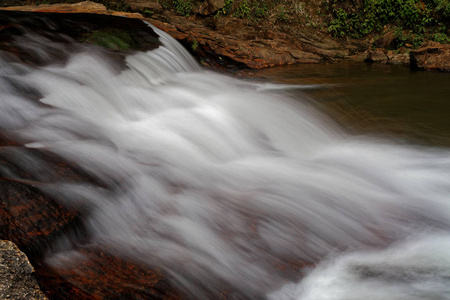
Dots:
pixel 234 42
pixel 31 219
pixel 433 56
pixel 99 275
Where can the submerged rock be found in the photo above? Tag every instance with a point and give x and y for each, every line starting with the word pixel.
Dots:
pixel 97 274
pixel 17 275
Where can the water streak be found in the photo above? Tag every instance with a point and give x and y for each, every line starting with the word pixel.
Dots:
pixel 223 183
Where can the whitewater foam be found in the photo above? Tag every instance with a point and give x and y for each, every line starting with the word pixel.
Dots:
pixel 223 183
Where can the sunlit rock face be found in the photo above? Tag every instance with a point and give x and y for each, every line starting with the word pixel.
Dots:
pixel 162 180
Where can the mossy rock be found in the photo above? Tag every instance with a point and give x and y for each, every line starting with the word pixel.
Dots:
pixel 113 39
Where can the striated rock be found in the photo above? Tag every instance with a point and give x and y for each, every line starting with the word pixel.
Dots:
pixel 17 275
pixel 235 43
pixel 433 56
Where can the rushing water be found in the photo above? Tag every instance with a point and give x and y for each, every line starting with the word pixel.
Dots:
pixel 223 184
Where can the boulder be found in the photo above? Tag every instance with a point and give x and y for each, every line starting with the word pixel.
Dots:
pixel 376 56
pixel 433 56
pixel 17 274
pixel 397 58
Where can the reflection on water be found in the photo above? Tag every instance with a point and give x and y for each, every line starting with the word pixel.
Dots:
pixel 379 99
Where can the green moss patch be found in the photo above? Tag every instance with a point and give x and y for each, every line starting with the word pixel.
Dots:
pixel 112 38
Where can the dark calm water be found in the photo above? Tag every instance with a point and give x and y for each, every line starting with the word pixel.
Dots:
pixel 388 100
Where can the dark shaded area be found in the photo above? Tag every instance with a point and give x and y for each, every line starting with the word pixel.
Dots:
pixel 44 38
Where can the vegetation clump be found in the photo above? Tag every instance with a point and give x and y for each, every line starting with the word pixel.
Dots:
pixel 415 20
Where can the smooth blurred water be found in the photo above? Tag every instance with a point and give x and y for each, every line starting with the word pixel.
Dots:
pixel 392 101
pixel 226 184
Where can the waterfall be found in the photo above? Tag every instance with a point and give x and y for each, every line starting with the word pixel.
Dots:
pixel 222 183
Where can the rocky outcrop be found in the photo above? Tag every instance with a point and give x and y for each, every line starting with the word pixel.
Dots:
pixel 433 56
pixel 17 275
pixel 232 42
pixel 229 39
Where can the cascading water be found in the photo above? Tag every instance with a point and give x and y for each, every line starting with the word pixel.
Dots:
pixel 223 184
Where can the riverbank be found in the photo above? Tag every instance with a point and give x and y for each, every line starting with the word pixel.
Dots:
pixel 237 41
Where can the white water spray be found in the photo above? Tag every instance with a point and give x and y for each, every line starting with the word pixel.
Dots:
pixel 223 183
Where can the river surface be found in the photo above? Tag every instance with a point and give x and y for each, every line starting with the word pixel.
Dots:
pixel 324 182
pixel 389 100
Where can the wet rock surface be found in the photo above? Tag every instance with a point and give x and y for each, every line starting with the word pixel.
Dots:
pixel 101 275
pixel 17 275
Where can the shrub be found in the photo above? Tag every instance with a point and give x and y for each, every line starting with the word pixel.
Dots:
pixel 183 7
pixel 372 15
